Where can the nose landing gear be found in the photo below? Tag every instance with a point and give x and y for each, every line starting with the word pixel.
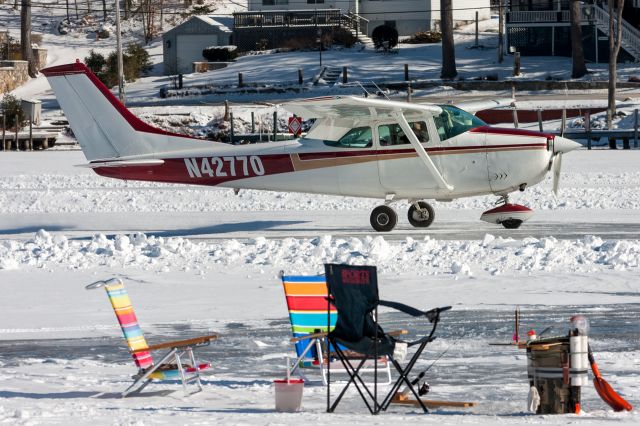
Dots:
pixel 511 216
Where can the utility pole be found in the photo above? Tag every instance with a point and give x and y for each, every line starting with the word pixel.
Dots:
pixel 119 54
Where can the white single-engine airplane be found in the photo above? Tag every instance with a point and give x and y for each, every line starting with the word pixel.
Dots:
pixel 360 147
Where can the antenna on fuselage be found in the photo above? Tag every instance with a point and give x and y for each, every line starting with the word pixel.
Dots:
pixel 366 93
pixel 380 90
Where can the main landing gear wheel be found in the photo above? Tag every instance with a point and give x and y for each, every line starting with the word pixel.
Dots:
pixel 511 223
pixel 423 217
pixel 383 218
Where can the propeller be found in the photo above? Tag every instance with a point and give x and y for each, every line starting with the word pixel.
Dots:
pixel 560 146
pixel 556 166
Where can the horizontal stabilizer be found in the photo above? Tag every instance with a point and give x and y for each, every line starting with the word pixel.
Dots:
pixel 475 106
pixel 122 163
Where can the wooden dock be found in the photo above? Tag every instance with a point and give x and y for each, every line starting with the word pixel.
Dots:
pixel 28 141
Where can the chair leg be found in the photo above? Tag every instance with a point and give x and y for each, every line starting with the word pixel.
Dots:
pixel 183 377
pixel 192 358
pixel 357 381
pixel 404 373
pixel 296 365
pixel 144 378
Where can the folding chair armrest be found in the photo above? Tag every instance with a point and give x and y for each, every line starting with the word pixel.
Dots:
pixel 430 314
pixel 179 343
pixel 395 333
pixel 308 336
pixel 403 308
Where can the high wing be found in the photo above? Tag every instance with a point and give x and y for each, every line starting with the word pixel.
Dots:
pixel 475 106
pixel 357 108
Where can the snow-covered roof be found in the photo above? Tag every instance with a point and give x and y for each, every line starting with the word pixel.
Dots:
pixel 223 23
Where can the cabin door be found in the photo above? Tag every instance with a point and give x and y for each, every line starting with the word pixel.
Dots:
pixel 399 167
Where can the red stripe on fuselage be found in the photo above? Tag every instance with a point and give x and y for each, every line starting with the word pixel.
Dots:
pixel 213 170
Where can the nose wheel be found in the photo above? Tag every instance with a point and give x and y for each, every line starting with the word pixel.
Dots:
pixel 383 218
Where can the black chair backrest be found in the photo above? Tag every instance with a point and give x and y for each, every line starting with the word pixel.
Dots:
pixel 354 290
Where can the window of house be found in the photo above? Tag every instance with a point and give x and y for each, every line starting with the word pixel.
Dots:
pixel 358 137
pixel 274 2
pixel 315 1
pixel 453 122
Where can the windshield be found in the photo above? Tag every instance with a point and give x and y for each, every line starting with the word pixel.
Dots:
pixel 358 137
pixel 453 121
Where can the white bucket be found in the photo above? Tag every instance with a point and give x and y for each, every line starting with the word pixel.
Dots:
pixel 288 395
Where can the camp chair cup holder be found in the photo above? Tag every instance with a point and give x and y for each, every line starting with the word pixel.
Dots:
pixel 178 363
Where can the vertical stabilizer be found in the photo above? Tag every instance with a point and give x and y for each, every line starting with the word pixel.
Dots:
pixel 104 128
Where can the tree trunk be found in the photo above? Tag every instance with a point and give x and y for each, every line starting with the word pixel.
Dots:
pixel 615 40
pixel 104 10
pixel 448 48
pixel 500 31
pixel 68 17
pixel 25 37
pixel 579 69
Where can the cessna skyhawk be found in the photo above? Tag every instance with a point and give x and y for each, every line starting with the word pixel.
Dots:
pixel 358 146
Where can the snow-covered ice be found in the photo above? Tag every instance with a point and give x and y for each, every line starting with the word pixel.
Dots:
pixel 199 259
pixel 196 260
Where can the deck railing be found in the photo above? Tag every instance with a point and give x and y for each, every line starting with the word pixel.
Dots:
pixel 548 16
pixel 289 18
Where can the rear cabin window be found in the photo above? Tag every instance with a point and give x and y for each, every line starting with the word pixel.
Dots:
pixel 358 137
pixel 392 134
pixel 453 122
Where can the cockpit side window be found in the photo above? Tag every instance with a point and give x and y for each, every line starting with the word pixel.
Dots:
pixel 358 137
pixel 454 121
pixel 392 134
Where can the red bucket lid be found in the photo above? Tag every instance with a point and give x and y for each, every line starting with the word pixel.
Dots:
pixel 290 381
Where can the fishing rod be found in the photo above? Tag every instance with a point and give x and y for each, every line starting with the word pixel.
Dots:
pixel 424 387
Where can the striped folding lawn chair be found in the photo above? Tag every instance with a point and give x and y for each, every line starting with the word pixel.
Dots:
pixel 307 303
pixel 171 365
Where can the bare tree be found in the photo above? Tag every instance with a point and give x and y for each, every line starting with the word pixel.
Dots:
pixel 579 68
pixel 25 37
pixel 615 40
pixel 500 31
pixel 448 48
pixel 104 10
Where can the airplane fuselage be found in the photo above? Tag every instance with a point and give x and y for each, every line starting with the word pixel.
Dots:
pixel 485 160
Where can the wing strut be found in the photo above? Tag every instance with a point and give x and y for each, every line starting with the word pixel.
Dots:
pixel 422 153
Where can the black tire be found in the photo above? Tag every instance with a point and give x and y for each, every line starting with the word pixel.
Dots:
pixel 383 218
pixel 421 219
pixel 511 223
